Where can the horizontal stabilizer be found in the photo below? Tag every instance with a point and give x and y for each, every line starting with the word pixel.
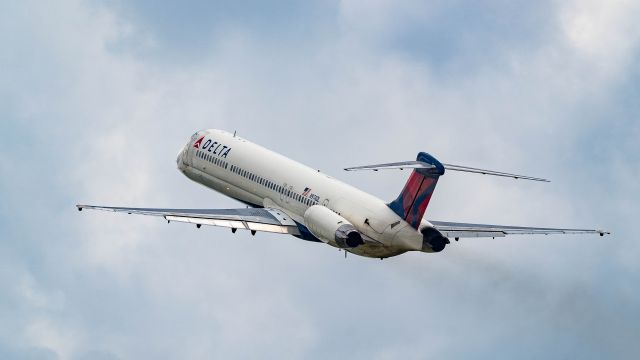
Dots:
pixel 423 165
pixel 490 172
pixel 393 166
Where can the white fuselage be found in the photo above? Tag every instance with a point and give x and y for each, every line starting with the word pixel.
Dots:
pixel 259 177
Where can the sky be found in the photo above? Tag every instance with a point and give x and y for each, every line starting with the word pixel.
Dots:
pixel 98 96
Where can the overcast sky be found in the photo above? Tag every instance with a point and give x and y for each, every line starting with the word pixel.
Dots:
pixel 98 96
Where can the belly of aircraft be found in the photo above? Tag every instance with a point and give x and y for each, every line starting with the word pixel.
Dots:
pixel 376 251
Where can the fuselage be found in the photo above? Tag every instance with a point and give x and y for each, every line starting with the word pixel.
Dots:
pixel 259 177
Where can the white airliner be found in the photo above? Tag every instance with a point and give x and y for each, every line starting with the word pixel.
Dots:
pixel 287 197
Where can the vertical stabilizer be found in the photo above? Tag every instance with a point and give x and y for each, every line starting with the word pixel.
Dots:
pixel 414 198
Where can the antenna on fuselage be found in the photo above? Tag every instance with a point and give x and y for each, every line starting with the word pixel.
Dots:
pixel 234 133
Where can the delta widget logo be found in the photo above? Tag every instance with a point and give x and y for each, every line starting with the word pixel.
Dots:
pixel 198 143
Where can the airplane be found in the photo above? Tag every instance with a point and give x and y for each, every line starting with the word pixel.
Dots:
pixel 286 197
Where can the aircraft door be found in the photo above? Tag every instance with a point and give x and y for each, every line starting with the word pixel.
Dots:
pixel 190 149
pixel 282 197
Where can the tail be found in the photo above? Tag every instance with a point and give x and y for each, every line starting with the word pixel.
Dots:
pixel 414 198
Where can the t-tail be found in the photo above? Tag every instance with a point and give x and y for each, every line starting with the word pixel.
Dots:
pixel 413 200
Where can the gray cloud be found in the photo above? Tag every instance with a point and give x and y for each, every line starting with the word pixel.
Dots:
pixel 87 116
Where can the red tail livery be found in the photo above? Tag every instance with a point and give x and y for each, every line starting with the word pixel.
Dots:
pixel 414 198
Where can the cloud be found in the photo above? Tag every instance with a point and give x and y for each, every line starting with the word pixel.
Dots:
pixel 97 104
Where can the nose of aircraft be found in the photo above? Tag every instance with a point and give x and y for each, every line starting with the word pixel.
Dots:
pixel 179 158
pixel 183 155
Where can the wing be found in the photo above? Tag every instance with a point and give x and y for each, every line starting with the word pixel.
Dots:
pixel 267 220
pixel 458 230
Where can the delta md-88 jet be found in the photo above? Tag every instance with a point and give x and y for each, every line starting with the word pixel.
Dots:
pixel 287 197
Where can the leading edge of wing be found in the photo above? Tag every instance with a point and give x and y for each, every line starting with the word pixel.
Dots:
pixel 260 219
pixel 453 229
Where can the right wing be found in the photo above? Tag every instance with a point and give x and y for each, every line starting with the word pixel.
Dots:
pixel 264 219
pixel 458 230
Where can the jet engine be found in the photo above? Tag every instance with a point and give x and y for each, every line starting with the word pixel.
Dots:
pixel 433 240
pixel 331 228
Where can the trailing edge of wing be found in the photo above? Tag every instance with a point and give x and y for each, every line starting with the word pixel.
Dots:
pixel 457 230
pixel 265 220
pixel 422 165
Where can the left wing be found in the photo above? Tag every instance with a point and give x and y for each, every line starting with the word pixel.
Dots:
pixel 458 230
pixel 265 219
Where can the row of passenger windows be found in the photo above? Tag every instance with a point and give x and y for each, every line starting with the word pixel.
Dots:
pixel 271 185
pixel 212 159
pixel 255 178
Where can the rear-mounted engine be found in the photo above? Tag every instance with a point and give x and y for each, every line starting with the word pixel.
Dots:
pixel 331 228
pixel 433 240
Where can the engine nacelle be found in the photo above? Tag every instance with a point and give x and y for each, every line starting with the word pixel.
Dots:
pixel 433 240
pixel 331 228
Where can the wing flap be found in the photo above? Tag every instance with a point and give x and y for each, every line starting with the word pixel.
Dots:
pixel 468 233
